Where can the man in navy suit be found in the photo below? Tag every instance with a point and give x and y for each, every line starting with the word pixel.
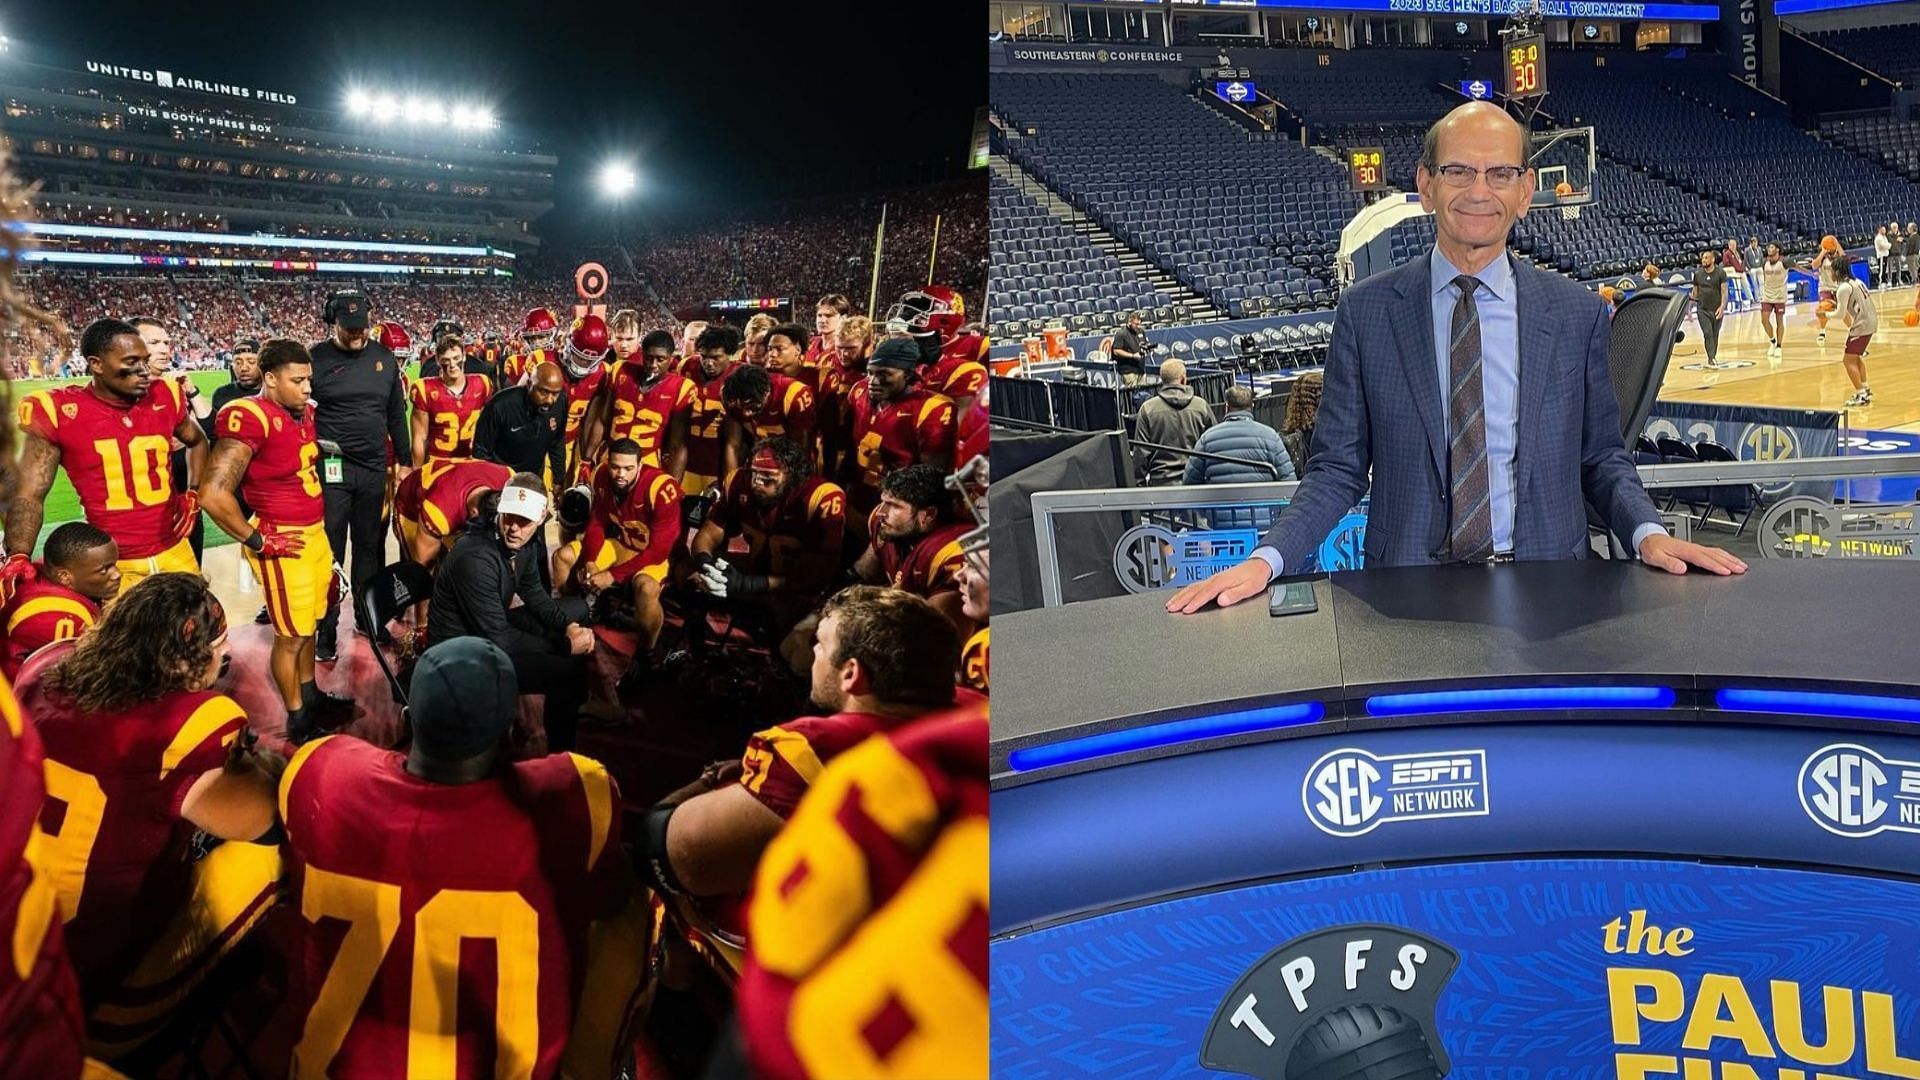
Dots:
pixel 1472 392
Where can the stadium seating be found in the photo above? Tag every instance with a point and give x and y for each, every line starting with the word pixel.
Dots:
pixel 1044 270
pixel 1882 140
pixel 1893 51
pixel 1254 232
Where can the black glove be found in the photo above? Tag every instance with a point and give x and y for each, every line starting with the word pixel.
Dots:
pixel 740 583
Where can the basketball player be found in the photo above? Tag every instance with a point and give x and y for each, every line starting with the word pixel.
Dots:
pixel 446 408
pixel 1773 300
pixel 61 598
pixel 466 887
pixel 1821 265
pixel 1853 305
pixel 114 436
pixel 141 751
pixel 269 451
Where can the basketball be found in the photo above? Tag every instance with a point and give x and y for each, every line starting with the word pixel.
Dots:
pixel 1563 189
pixel 1911 318
pixel 1827 305
pixel 1829 243
pixel 1607 293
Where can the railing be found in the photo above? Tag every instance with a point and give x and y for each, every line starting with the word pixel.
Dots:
pixel 1048 504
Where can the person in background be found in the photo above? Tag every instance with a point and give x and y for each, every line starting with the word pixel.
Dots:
pixel 1853 306
pixel 1752 257
pixel 1739 290
pixel 159 342
pixel 1172 418
pixel 1911 263
pixel 1239 435
pixel 245 368
pixel 1773 300
pixel 1882 254
pixel 1710 303
pixel 1130 350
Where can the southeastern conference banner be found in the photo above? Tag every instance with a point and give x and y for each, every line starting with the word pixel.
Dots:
pixel 1542 970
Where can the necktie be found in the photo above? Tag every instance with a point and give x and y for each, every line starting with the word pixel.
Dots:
pixel 1470 536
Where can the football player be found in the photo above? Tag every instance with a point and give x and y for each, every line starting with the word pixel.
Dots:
pixel 113 435
pixel 487 359
pixel 786 353
pixel 642 399
pixel 895 424
pixel 432 506
pixel 268 451
pixel 60 597
pixel 952 353
pixel 141 751
pixel 975 547
pixel 917 542
pixel 881 659
pixel 632 527
pixel 838 376
pixel 538 333
pixel 828 316
pixel 719 357
pixel 466 886
pixel 446 407
pixel 762 404
pixel 794 524
pixel 758 327
pixel 584 362
pixel 896 925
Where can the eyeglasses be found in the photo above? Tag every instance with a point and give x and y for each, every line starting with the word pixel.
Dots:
pixel 1499 177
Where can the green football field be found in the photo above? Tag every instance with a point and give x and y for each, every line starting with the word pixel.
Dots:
pixel 64 506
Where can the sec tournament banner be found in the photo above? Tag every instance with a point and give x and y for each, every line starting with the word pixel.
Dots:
pixel 1521 970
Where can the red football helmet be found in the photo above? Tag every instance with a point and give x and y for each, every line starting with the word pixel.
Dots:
pixel 395 338
pixel 936 309
pixel 587 346
pixel 540 328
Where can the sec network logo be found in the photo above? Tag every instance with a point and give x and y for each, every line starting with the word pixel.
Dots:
pixel 1351 792
pixel 1853 791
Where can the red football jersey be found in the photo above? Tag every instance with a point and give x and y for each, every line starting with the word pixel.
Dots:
pixel 446 486
pixel 974 436
pixel 812 517
pixel 973 661
pixel 887 437
pixel 788 411
pixel 782 761
pixel 445 929
pixel 517 368
pixel 579 396
pixel 959 373
pixel 42 1028
pixel 451 417
pixel 42 612
pixel 874 962
pixel 643 413
pixel 645 520
pixel 818 361
pixel 282 482
pixel 114 789
pixel 117 458
pixel 406 494
pixel 708 422
pixel 925 567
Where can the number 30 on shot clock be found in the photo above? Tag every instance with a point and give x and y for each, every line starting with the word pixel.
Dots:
pixel 1527 66
pixel 1367 166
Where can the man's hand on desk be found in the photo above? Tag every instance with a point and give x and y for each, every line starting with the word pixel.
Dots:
pixel 1229 587
pixel 1663 552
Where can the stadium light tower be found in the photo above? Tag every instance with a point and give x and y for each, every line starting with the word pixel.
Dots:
pixel 617 179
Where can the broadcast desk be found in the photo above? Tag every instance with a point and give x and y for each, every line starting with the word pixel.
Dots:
pixel 1633 822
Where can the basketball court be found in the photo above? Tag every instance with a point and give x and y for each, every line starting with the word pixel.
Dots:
pixel 1808 375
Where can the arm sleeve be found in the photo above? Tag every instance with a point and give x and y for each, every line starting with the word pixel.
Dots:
pixel 397 429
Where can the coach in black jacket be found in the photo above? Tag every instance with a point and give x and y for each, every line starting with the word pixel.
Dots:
pixel 489 566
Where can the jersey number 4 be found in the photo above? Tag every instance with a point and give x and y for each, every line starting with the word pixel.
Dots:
pixel 371 910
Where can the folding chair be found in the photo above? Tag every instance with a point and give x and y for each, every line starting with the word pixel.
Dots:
pixel 397 587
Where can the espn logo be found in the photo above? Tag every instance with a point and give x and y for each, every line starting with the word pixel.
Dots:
pixel 1351 792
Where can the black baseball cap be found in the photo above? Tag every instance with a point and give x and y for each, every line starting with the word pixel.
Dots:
pixel 463 697
pixel 350 309
pixel 246 344
pixel 899 353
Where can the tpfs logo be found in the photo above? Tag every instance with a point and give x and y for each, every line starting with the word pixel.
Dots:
pixel 1351 1001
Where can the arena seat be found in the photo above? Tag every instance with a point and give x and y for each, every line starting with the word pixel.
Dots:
pixel 1892 51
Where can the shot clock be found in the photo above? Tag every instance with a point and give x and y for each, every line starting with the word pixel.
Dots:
pixel 1526 66
pixel 1367 165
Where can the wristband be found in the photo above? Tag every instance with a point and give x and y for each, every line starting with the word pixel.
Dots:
pixel 255 543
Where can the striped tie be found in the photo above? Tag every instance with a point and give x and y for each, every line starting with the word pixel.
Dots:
pixel 1471 536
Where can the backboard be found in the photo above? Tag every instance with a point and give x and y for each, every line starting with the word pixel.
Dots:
pixel 1563 161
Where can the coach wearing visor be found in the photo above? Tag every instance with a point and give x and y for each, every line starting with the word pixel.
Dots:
pixel 473 595
pixel 1471 392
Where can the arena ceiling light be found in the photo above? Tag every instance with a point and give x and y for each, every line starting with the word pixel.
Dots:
pixel 617 179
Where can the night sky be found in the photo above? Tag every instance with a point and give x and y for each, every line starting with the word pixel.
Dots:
pixel 718 103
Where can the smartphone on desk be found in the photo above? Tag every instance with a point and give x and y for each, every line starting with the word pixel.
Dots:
pixel 1292 598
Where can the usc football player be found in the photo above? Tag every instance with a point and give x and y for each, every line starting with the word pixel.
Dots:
pixel 642 399
pixel 446 407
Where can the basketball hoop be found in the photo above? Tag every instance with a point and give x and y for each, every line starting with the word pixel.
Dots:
pixel 1570 213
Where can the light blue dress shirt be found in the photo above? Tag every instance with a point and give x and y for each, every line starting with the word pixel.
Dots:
pixel 1496 302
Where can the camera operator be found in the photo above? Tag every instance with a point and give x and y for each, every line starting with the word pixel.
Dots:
pixel 1129 351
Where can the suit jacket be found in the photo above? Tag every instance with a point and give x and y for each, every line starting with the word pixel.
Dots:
pixel 1382 411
